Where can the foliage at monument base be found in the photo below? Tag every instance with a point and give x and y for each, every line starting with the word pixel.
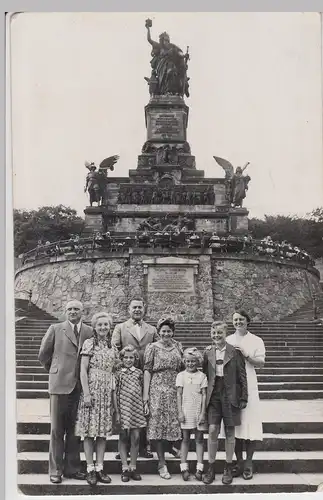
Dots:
pixel 304 232
pixel 48 223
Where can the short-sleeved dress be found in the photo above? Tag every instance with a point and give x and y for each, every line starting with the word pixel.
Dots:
pixel 96 421
pixel 251 417
pixel 192 384
pixel 129 388
pixel 163 364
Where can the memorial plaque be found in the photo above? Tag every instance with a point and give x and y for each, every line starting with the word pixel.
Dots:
pixel 171 279
pixel 166 125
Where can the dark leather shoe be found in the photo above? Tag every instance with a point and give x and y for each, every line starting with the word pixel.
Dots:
pixel 199 475
pixel 81 476
pixel 146 454
pixel 227 474
pixel 185 475
pixel 125 476
pixel 134 475
pixel 209 476
pixel 91 478
pixel 237 469
pixel 247 473
pixel 103 478
pixel 55 479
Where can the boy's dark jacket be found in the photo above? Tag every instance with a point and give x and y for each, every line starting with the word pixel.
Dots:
pixel 234 373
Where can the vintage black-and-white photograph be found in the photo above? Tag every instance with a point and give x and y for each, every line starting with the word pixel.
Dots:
pixel 168 240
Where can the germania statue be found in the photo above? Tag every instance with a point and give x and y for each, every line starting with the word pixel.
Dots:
pixel 169 66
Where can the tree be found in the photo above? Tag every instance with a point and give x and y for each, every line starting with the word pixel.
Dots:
pixel 52 223
pixel 304 232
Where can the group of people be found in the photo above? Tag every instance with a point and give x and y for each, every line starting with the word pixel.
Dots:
pixel 138 379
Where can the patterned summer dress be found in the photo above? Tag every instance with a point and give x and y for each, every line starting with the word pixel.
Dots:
pixel 129 387
pixel 192 384
pixel 163 364
pixel 97 420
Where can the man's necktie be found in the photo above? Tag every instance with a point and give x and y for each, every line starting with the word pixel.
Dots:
pixel 76 333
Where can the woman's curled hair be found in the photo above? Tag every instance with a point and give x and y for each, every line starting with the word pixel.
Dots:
pixel 166 321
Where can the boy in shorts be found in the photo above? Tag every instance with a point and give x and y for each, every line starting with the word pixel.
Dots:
pixel 227 394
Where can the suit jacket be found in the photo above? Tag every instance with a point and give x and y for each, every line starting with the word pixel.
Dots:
pixel 126 334
pixel 59 354
pixel 234 373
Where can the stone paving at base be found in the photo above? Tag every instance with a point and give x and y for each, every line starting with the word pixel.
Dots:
pixel 37 410
pixel 150 479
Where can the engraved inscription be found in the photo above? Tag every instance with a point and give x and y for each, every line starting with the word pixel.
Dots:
pixel 171 279
pixel 167 125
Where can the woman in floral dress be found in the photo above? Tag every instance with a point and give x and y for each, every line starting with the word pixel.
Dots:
pixel 98 399
pixel 162 363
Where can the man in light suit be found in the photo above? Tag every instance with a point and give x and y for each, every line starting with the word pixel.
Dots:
pixel 59 354
pixel 136 332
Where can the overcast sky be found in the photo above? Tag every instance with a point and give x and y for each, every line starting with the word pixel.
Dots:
pixel 78 93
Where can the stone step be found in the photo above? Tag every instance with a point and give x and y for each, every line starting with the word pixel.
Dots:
pixel 33 348
pixel 265 386
pixel 310 363
pixel 179 324
pixel 270 355
pixel 39 484
pixel 264 462
pixel 263 394
pixel 201 326
pixel 273 428
pixel 34 364
pixel 290 370
pixel 271 442
pixel 41 377
pixel 276 335
pixel 279 369
pixel 30 369
pixel 201 330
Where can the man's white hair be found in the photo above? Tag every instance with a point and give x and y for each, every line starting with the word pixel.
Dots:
pixel 75 303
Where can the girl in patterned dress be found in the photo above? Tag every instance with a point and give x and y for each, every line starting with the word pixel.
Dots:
pixel 129 387
pixel 162 362
pixel 191 400
pixel 97 400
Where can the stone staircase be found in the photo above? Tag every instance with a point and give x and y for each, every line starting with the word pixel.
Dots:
pixel 291 391
pixel 306 312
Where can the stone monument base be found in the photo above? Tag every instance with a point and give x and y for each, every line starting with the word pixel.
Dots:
pixel 191 284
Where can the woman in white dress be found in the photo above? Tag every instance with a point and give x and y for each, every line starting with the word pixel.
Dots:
pixel 250 430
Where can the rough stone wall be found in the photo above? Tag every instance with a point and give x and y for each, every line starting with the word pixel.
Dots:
pixel 99 285
pixel 268 291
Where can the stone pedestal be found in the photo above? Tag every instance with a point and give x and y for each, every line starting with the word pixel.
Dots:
pixel 166 119
pixel 166 185
pixel 93 220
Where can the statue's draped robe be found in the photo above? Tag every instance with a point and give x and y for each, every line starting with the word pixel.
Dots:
pixel 170 68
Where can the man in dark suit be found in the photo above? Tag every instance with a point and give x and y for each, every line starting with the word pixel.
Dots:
pixel 227 394
pixel 136 332
pixel 59 354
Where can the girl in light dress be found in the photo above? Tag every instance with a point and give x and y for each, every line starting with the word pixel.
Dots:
pixel 253 349
pixel 97 401
pixel 129 391
pixel 191 400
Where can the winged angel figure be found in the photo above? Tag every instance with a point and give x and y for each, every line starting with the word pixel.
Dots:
pixel 238 181
pixel 96 179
